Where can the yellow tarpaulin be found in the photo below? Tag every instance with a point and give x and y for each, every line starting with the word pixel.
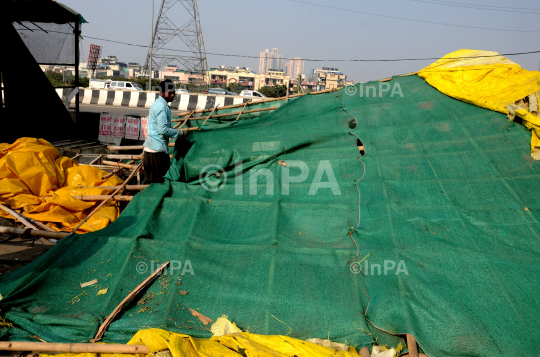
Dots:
pixel 36 181
pixel 233 345
pixel 489 80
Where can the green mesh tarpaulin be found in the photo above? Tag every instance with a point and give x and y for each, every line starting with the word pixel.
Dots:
pixel 445 199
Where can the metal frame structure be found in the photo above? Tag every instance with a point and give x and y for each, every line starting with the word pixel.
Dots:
pixel 94 52
pixel 193 59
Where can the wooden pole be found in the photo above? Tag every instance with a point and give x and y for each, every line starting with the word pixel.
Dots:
pixel 94 161
pixel 244 107
pixel 230 106
pixel 411 346
pixel 73 347
pixel 256 102
pixel 208 117
pixel 18 216
pixel 128 187
pixel 105 201
pixel 103 197
pixel 34 232
pixel 230 114
pixel 121 148
pixel 124 302
pixel 115 171
pixel 125 157
pixel 180 125
pixel 119 164
pixel 118 148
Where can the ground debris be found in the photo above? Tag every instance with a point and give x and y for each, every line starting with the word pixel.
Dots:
pixel 204 319
pixel 88 283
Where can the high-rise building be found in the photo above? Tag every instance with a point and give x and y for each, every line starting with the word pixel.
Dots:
pixel 270 60
pixel 294 67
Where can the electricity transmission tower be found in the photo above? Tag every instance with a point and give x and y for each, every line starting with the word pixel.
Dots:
pixel 187 38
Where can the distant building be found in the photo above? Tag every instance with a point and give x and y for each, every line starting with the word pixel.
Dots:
pixel 108 60
pixel 294 67
pixel 326 78
pixel 270 59
pixel 223 76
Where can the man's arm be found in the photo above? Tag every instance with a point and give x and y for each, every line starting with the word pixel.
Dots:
pixel 163 128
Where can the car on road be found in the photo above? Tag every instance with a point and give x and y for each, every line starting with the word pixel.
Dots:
pixel 218 91
pixel 121 85
pixel 182 91
pixel 252 93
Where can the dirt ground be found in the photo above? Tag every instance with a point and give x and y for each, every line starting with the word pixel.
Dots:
pixel 16 251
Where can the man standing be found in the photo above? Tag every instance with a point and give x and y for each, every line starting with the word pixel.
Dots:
pixel 156 147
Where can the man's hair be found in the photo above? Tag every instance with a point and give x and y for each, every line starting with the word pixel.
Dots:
pixel 166 86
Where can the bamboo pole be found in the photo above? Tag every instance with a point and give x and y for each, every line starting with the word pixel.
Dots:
pixel 115 171
pixel 34 232
pixel 18 216
pixel 103 197
pixel 105 201
pixel 118 148
pixel 229 114
pixel 128 187
pixel 180 125
pixel 407 74
pixel 244 107
pixel 230 106
pixel 411 346
pixel 124 302
pixel 96 159
pixel 125 157
pixel 212 112
pixel 138 147
pixel 119 164
pixel 73 347
pixel 121 148
pixel 259 101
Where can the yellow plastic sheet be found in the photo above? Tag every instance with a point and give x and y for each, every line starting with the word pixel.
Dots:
pixel 37 182
pixel 488 80
pixel 233 345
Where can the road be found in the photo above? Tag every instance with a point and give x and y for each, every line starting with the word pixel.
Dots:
pixel 94 108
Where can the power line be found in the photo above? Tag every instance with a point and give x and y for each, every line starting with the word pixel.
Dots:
pixel 493 6
pixel 478 7
pixel 308 59
pixel 413 20
pixel 329 60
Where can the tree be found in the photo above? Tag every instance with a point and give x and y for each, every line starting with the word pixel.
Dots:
pixel 56 78
pixel 234 87
pixel 274 91
pixel 83 81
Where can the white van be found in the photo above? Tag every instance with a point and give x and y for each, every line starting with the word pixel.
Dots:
pixel 125 86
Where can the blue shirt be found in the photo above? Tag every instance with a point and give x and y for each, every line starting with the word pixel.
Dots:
pixel 159 126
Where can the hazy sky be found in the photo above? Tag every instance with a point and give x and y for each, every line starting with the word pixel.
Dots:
pixel 303 30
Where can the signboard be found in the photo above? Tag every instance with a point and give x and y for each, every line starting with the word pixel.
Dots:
pixel 105 124
pixel 132 128
pixel 119 123
pixel 144 128
pixel 94 51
